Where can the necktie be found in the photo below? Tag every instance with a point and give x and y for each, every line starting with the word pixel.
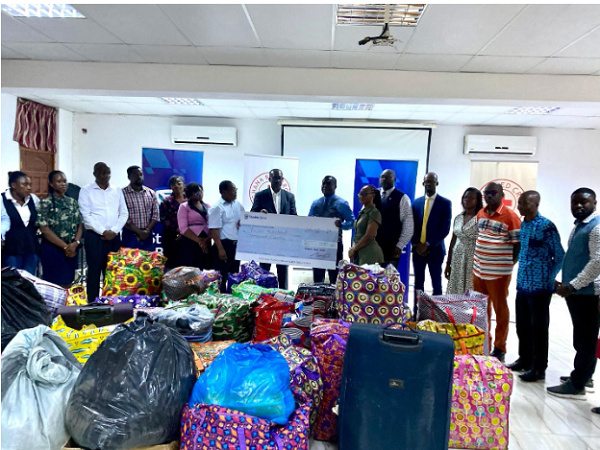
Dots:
pixel 425 218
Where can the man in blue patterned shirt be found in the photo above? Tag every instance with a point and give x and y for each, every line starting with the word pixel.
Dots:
pixel 540 259
pixel 330 205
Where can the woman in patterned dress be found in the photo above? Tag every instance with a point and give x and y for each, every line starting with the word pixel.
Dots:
pixel 61 224
pixel 459 265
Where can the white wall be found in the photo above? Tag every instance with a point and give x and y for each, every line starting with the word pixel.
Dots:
pixel 10 159
pixel 118 141
pixel 64 157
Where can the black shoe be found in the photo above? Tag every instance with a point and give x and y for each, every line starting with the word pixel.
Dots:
pixel 498 354
pixel 589 386
pixel 518 366
pixel 567 390
pixel 533 376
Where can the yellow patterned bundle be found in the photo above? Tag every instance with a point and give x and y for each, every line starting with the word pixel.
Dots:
pixel 468 339
pixel 82 343
pixel 76 295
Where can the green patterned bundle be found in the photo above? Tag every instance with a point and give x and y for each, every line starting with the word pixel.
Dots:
pixel 250 290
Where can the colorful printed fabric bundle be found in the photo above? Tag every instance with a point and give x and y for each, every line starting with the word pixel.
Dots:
pixel 133 271
pixel 249 289
pixel 304 373
pixel 82 343
pixel 470 307
pixel 77 295
pixel 138 301
pixel 211 427
pixel 366 296
pixel 234 316
pixel 480 403
pixel 54 296
pixel 322 296
pixel 468 339
pixel 328 343
pixel 205 353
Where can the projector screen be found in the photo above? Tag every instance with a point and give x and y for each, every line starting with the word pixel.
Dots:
pixel 334 150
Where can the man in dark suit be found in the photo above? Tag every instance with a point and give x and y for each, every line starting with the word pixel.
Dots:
pixel 432 215
pixel 275 200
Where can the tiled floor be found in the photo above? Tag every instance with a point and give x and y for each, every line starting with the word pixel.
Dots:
pixel 539 421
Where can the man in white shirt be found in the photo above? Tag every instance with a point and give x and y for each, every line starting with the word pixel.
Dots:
pixel 223 221
pixel 104 214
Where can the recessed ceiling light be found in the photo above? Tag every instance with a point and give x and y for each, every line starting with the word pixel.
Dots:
pixel 352 106
pixel 182 101
pixel 399 15
pixel 51 11
pixel 537 110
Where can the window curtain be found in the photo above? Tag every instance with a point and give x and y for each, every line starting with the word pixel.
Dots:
pixel 35 126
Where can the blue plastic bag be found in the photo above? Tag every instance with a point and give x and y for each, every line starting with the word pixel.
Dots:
pixel 254 379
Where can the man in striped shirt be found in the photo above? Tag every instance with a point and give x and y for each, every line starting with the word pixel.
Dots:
pixel 496 252
pixel 142 205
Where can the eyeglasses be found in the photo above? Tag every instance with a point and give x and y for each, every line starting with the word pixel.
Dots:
pixel 491 193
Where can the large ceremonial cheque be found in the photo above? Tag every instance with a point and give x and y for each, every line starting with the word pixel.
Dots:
pixel 289 240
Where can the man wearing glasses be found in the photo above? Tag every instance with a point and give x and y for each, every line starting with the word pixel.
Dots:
pixel 496 252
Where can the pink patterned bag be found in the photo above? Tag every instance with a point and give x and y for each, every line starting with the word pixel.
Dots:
pixel 481 392
pixel 328 344
pixel 211 427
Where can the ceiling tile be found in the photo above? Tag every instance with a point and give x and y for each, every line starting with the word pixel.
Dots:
pixel 194 110
pixel 390 115
pixel 442 108
pixel 431 115
pixel 567 66
pixel 579 110
pixel 234 56
pixel 342 114
pixel 542 30
pixel 293 26
pixel 46 51
pixel 90 107
pixel 359 60
pixel 135 24
pixel 223 102
pixel 589 123
pixel 213 25
pixel 160 110
pixel 310 113
pixel 232 111
pixel 8 53
pixel 143 100
pixel 346 38
pixel 106 52
pixel 73 30
pixel 500 64
pixel 396 107
pixel 586 47
pixel 265 103
pixel 13 30
pixel 432 63
pixel 551 121
pixel 271 113
pixel 481 109
pixel 309 105
pixel 509 120
pixel 122 108
pixel 459 29
pixel 463 118
pixel 169 54
pixel 297 58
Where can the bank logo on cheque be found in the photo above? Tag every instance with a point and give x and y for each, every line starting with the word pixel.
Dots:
pixel 261 182
pixel 512 191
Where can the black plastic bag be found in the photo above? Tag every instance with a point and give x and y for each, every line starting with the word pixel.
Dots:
pixel 132 390
pixel 22 305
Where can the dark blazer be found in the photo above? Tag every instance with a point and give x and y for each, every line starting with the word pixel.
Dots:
pixel 264 200
pixel 438 224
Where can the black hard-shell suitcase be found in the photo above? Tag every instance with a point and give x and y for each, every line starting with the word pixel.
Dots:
pixel 396 389
pixel 100 315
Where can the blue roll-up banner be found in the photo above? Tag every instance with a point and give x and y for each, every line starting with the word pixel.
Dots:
pixel 367 172
pixel 159 165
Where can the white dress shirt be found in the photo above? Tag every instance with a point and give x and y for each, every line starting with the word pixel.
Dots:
pixel 406 218
pixel 102 209
pixel 23 210
pixel 225 217
pixel 276 200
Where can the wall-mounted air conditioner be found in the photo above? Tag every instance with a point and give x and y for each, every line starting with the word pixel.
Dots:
pixel 203 135
pixel 506 145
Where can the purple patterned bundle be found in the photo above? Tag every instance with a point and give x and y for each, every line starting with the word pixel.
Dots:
pixel 139 301
pixel 211 427
pixel 328 342
pixel 252 271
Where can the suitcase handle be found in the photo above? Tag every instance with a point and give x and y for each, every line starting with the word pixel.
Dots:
pixel 94 313
pixel 402 340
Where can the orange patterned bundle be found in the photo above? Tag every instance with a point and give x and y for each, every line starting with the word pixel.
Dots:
pixel 133 271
